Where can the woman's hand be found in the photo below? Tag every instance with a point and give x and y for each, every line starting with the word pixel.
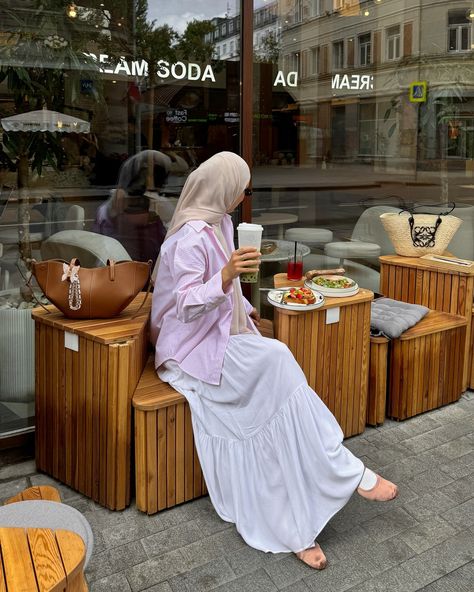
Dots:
pixel 254 315
pixel 243 260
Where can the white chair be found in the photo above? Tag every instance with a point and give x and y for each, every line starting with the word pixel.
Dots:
pixel 368 241
pixel 90 248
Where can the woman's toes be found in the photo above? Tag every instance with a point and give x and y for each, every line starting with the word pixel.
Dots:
pixel 314 557
pixel 383 491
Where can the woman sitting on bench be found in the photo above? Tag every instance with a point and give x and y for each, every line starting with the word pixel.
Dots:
pixel 270 450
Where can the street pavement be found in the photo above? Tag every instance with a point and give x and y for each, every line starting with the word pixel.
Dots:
pixel 424 540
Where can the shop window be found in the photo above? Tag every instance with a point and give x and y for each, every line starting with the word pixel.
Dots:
pixel 393 43
pixel 459 31
pixel 365 46
pixel 338 55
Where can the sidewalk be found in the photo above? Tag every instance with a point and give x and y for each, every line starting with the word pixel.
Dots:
pixel 424 540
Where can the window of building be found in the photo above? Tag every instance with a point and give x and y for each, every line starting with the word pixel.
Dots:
pixel 223 29
pixel 224 49
pixel 459 31
pixel 316 7
pixel 314 61
pixel 231 47
pixel 365 46
pixel 393 43
pixel 338 55
pixel 298 11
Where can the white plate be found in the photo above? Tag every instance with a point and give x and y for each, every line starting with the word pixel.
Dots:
pixel 275 297
pixel 334 292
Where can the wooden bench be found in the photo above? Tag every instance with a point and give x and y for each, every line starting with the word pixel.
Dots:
pixel 167 469
pixel 423 368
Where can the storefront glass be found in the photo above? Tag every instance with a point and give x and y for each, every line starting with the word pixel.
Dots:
pixel 105 108
pixel 359 107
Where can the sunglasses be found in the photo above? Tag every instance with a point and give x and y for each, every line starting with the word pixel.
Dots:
pixel 247 192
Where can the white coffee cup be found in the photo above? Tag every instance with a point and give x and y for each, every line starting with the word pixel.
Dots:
pixel 250 235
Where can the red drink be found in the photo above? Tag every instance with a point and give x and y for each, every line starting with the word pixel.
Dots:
pixel 294 270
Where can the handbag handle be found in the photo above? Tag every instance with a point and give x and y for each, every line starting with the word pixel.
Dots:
pixel 451 205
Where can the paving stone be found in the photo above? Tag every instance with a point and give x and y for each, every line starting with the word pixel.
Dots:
pixel 463 515
pixel 172 538
pixel 163 587
pixel 389 524
pixel 419 425
pixel 127 532
pixel 154 571
pixel 441 559
pixel 390 454
pixel 429 481
pixel 461 490
pixel 459 580
pixel 287 571
pixel 337 577
pixel 257 581
pixel 209 522
pixel 11 488
pixel 456 448
pixel 432 532
pixel 248 559
pixel 380 556
pixel 22 469
pixel 226 542
pixel 360 446
pixel 391 580
pixel 296 587
pixel 113 583
pixel 203 578
pixel 425 506
pixel 459 467
pixel 114 560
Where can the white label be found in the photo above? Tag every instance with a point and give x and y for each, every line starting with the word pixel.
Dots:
pixel 71 341
pixel 332 315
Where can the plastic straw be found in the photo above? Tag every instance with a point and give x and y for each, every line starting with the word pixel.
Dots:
pixel 295 253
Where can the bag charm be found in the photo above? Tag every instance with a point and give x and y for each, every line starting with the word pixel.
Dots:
pixel 71 273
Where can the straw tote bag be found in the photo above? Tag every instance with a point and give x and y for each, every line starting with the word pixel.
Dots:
pixel 416 234
pixel 91 293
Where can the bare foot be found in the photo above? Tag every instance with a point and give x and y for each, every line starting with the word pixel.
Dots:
pixel 314 557
pixel 382 491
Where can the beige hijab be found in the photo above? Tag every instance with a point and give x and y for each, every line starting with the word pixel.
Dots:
pixel 211 190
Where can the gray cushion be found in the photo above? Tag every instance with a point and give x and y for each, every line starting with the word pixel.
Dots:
pixel 46 514
pixel 392 317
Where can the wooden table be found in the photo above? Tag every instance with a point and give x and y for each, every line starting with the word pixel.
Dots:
pixel 440 286
pixel 40 559
pixel 86 372
pixel 334 357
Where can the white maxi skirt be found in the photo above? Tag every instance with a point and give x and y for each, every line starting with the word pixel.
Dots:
pixel 270 450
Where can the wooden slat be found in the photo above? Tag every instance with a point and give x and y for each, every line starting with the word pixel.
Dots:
pixel 73 554
pixel 161 453
pixel 188 456
pixel 171 456
pixel 141 477
pixel 179 460
pixel 46 558
pixel 123 422
pixel 17 563
pixel 154 470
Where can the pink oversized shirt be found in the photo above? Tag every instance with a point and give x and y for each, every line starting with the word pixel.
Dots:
pixel 191 315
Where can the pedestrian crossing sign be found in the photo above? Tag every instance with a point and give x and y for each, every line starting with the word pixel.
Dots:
pixel 418 91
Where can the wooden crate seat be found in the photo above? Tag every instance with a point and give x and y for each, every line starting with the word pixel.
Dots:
pixel 167 469
pixel 38 492
pixel 419 371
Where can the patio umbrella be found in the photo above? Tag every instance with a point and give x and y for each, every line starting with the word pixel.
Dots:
pixel 45 120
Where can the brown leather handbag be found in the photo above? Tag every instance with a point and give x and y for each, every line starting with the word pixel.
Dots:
pixel 91 293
